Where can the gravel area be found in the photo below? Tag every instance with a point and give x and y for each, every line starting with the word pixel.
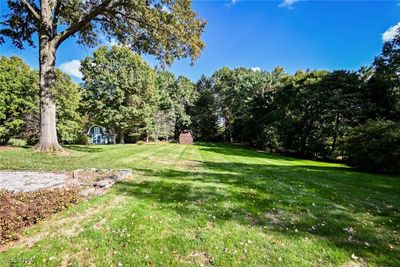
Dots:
pixel 91 181
pixel 27 181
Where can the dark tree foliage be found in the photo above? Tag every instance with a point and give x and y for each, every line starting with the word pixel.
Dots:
pixel 298 118
pixel 241 93
pixel 176 96
pixel 183 99
pixel 374 146
pixel 314 111
pixel 312 114
pixel 253 125
pixel 382 90
pixel 203 113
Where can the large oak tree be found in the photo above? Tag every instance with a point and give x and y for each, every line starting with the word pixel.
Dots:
pixel 167 29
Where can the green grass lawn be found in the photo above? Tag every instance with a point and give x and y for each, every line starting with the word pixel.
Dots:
pixel 210 204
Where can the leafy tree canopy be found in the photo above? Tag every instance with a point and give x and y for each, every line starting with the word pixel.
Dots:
pixel 19 103
pixel 167 29
pixel 18 91
pixel 119 88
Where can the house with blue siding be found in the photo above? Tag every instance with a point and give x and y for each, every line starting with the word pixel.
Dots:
pixel 99 135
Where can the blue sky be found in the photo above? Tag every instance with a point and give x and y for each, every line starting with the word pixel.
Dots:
pixel 292 34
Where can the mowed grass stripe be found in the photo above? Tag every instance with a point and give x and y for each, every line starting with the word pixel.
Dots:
pixel 212 204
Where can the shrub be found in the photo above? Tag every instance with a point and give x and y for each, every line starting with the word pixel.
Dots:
pixel 374 146
pixel 16 142
pixel 19 210
pixel 132 138
pixel 82 139
pixel 140 143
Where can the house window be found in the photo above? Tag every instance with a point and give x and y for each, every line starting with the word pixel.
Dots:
pixel 96 130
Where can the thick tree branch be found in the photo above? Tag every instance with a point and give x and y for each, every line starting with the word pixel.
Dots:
pixel 55 16
pixel 83 21
pixel 142 21
pixel 31 10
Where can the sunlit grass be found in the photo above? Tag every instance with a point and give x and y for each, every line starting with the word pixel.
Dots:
pixel 213 204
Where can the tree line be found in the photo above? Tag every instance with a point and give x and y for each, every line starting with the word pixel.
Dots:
pixel 168 30
pixel 329 115
pixel 119 91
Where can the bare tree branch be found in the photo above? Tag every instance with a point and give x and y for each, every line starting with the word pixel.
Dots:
pixel 31 10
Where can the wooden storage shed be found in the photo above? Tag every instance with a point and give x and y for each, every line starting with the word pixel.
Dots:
pixel 186 137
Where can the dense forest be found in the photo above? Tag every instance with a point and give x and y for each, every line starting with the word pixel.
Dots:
pixel 330 115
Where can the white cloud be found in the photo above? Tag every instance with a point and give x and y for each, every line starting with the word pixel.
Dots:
pixel 390 33
pixel 288 3
pixel 113 42
pixel 166 9
pixel 72 68
pixel 109 42
pixel 231 3
pixel 256 69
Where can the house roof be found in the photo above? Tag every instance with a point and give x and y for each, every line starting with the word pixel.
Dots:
pixel 104 130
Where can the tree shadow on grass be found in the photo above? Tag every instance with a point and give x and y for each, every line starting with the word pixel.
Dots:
pixel 353 211
pixel 236 150
pixel 85 148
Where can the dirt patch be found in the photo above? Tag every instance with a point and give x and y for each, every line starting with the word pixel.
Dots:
pixel 283 218
pixel 275 217
pixel 65 261
pixel 184 163
pixel 96 181
pixel 353 263
pixel 201 258
pixel 5 148
pixel 100 224
pixel 63 153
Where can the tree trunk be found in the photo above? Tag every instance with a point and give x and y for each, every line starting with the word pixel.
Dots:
pixel 48 141
pixel 113 135
pixel 335 134
pixel 121 137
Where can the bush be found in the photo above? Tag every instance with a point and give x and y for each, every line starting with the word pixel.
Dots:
pixel 82 139
pixel 132 138
pixel 16 142
pixel 140 143
pixel 19 210
pixel 374 146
